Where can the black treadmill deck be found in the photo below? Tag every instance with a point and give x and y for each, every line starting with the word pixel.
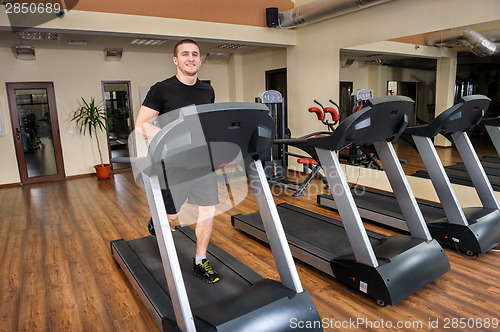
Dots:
pixel 384 206
pixel 142 261
pixel 482 234
pixel 311 232
pixel 241 300
pixel 330 251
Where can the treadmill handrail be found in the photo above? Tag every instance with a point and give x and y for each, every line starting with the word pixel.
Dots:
pixel 462 116
pixel 455 121
pixel 190 136
pixel 491 121
pixel 188 139
pixel 380 119
pixel 494 133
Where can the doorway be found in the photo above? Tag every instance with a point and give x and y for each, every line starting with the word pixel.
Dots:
pixel 410 89
pixel 276 80
pixel 345 99
pixel 35 128
pixel 116 95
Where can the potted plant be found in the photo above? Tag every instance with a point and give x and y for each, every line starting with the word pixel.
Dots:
pixel 92 117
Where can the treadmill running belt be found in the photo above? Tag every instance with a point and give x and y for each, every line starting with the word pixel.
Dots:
pixel 461 180
pixel 491 159
pixel 385 203
pixel 490 171
pixel 200 293
pixel 312 232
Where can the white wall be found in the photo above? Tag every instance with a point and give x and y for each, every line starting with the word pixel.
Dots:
pixel 375 77
pixel 313 63
pixel 78 73
pixel 255 64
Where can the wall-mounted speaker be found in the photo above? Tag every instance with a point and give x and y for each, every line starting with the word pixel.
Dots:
pixel 272 17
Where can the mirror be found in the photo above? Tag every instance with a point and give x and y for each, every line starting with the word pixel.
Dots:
pixel 120 124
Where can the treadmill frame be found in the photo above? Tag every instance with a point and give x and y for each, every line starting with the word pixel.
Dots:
pixel 150 171
pixel 274 230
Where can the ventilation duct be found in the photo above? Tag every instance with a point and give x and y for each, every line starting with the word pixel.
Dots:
pixel 25 52
pixel 113 54
pixel 217 58
pixel 319 10
pixel 473 40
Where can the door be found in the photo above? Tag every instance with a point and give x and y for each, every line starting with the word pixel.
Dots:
pixel 36 131
pixel 276 80
pixel 345 99
pixel 121 121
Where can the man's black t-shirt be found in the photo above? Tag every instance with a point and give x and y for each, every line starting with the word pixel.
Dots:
pixel 166 96
pixel 171 94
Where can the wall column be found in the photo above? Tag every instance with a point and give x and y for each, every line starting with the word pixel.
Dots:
pixel 446 74
pixel 235 73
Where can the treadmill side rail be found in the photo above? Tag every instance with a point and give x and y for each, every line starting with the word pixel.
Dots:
pixel 440 180
pixel 404 195
pixel 494 133
pixel 349 214
pixel 152 295
pixel 475 170
pixel 273 227
pixel 166 246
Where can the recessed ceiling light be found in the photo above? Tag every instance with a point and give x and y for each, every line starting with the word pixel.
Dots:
pixel 77 42
pixel 149 42
pixel 40 35
pixel 229 46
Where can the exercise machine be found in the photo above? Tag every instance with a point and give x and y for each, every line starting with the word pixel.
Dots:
pixel 360 155
pixel 310 165
pixel 198 138
pixel 275 166
pixel 458 174
pixel 474 230
pixel 387 268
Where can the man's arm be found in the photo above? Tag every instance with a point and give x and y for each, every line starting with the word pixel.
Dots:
pixel 144 123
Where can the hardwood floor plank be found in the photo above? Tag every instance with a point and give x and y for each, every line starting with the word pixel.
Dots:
pixel 64 311
pixel 33 314
pixel 57 272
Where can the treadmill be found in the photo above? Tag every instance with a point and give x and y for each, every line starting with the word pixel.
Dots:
pixel 198 138
pixel 474 230
pixel 458 174
pixel 492 126
pixel 387 268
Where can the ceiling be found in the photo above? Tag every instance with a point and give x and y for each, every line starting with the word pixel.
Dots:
pixel 489 30
pixel 392 60
pixel 99 41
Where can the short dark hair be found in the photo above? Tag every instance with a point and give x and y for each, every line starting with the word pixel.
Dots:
pixel 184 41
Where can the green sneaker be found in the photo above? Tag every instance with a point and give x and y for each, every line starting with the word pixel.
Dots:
pixel 205 271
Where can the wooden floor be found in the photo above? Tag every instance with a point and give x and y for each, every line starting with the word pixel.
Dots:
pixel 57 273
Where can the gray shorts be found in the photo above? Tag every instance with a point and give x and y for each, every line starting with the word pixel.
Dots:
pixel 201 191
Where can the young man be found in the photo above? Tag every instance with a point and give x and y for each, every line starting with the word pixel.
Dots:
pixel 178 91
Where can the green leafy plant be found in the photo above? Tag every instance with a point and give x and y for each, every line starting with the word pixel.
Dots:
pixel 91 117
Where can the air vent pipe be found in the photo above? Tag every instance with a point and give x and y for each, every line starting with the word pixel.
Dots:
pixel 319 10
pixel 473 40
